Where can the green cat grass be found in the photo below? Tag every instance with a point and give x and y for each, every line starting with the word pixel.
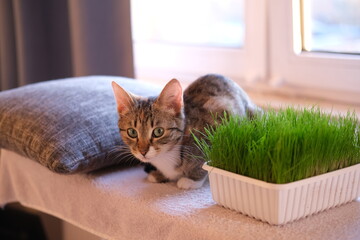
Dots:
pixel 283 146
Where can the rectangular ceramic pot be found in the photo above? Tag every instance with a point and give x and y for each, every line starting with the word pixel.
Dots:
pixel 282 203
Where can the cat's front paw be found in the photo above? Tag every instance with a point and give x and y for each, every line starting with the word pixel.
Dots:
pixel 187 183
pixel 151 178
pixel 156 177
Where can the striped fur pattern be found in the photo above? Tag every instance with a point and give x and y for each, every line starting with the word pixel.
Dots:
pixel 157 130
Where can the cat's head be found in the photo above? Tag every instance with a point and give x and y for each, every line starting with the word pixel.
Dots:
pixel 151 126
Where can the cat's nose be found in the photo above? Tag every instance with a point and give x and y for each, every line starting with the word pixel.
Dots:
pixel 143 148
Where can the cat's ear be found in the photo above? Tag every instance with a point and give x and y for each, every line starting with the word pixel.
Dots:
pixel 124 100
pixel 171 96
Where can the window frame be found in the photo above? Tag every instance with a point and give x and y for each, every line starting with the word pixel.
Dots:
pixel 294 70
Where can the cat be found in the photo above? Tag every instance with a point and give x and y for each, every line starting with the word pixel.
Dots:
pixel 158 130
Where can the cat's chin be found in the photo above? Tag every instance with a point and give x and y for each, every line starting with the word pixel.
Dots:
pixel 143 159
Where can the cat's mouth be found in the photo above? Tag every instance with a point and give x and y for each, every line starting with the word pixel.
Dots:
pixel 148 156
pixel 142 158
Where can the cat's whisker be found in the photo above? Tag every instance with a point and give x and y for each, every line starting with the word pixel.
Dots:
pixel 122 153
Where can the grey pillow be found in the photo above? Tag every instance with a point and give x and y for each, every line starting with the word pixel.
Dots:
pixel 67 125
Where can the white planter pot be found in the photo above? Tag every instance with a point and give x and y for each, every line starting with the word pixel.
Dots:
pixel 282 203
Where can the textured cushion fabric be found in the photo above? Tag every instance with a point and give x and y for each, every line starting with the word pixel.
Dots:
pixel 68 125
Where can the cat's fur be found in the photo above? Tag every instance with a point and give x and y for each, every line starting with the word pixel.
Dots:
pixel 174 155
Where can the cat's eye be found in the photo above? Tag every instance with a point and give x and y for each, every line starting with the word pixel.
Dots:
pixel 158 132
pixel 132 133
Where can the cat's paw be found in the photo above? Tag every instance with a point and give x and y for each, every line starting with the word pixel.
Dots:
pixel 187 183
pixel 156 177
pixel 151 178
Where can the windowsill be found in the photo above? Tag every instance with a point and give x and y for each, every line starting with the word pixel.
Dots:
pixel 277 101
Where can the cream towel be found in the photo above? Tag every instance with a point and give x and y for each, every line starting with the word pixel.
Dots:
pixel 118 203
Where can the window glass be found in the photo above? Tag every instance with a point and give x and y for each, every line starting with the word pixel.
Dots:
pixel 193 22
pixel 331 26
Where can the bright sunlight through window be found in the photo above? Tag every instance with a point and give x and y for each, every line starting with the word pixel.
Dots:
pixel 331 26
pixel 210 23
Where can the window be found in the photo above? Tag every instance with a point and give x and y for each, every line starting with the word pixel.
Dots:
pixel 331 26
pixel 308 73
pixel 293 47
pixel 188 38
pixel 209 23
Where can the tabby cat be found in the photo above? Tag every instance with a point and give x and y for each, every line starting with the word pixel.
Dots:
pixel 157 130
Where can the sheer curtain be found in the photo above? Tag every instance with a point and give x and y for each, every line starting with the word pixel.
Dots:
pixel 49 39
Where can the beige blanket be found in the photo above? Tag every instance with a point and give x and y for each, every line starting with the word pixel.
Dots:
pixel 120 204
